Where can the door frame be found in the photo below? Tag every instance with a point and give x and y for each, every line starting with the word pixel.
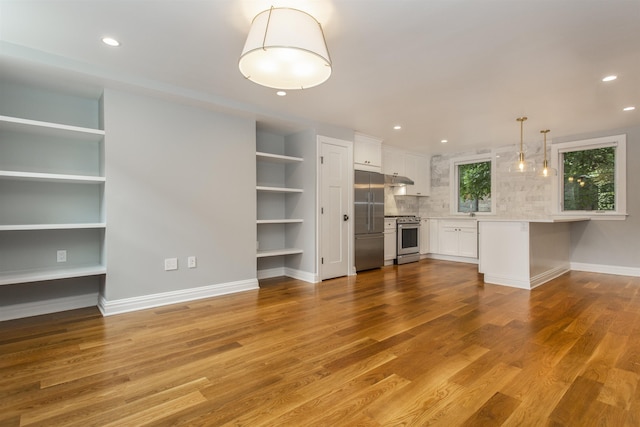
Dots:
pixel 350 254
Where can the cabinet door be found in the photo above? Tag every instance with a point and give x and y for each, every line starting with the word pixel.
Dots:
pixel 367 154
pixel 417 169
pixel 468 242
pixel 392 161
pixel 424 236
pixel 433 236
pixel 448 244
pixel 389 245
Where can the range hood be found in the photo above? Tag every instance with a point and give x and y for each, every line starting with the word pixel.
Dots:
pixel 397 180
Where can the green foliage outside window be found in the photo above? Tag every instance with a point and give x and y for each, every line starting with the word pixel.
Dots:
pixel 589 179
pixel 474 187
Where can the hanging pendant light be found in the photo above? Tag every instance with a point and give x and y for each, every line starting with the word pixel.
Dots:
pixel 522 165
pixel 546 170
pixel 285 49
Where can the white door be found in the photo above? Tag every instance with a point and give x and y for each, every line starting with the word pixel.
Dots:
pixel 335 209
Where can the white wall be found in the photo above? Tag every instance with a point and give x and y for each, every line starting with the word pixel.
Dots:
pixel 180 182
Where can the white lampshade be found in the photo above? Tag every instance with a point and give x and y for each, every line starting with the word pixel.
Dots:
pixel 285 49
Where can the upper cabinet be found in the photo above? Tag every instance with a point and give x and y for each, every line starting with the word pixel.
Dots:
pixel 417 168
pixel 414 166
pixel 367 153
pixel 393 161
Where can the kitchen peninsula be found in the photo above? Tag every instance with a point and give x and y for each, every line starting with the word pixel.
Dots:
pixel 524 253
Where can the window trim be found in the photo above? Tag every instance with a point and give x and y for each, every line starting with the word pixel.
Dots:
pixel 453 180
pixel 618 141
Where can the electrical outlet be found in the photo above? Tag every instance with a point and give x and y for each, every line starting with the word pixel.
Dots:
pixel 191 262
pixel 171 264
pixel 61 256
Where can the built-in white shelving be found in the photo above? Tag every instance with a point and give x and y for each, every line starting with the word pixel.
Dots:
pixel 51 129
pixel 28 227
pixel 279 221
pixel 273 231
pixel 278 252
pixel 50 143
pixel 40 275
pixel 279 189
pixel 53 177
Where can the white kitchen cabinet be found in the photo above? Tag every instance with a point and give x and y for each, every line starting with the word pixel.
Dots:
pixel 414 166
pixel 393 161
pixel 390 241
pixel 424 236
pixel 458 238
pixel 434 228
pixel 367 153
pixel 417 168
pixel 52 217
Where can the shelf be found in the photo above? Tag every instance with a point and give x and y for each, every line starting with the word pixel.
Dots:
pixel 278 252
pixel 279 221
pixel 12 278
pixel 50 129
pixel 52 177
pixel 277 158
pixel 279 189
pixel 27 227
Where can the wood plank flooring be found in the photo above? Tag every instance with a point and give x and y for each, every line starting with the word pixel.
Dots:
pixel 421 344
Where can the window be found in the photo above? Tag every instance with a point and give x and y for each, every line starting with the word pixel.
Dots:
pixel 472 184
pixel 591 177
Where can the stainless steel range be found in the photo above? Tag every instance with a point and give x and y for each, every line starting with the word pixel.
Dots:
pixel 408 247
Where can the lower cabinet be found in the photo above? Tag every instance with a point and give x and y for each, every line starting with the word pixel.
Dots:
pixel 458 238
pixel 389 241
pixel 425 247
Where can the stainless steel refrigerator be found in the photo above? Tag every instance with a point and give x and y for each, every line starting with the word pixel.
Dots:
pixel 369 220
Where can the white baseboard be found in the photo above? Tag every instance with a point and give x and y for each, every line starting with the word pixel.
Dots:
pixel 289 272
pixel 37 308
pixel 606 269
pixel 271 272
pixel 452 258
pixel 125 305
pixel 301 275
pixel 549 275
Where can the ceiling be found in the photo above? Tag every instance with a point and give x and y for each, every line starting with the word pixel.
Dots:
pixel 460 70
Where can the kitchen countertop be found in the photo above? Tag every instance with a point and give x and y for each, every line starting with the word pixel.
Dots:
pixel 503 219
pixel 540 220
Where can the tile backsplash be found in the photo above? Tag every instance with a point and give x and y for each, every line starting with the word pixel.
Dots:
pixel 518 195
pixel 399 205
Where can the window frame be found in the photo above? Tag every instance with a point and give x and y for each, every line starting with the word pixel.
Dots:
pixel 558 149
pixel 454 181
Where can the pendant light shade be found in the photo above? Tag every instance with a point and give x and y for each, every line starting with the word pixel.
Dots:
pixel 522 165
pixel 285 49
pixel 546 170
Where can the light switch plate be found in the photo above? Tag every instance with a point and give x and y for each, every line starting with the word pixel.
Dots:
pixel 61 256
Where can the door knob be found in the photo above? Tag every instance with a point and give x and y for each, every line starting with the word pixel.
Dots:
pixel 345 217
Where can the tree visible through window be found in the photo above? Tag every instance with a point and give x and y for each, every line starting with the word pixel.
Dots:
pixel 474 187
pixel 589 179
pixel 592 177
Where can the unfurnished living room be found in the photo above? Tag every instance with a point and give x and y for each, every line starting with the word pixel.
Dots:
pixel 319 213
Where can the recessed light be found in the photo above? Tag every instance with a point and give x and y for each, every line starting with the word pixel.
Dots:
pixel 281 93
pixel 397 127
pixel 110 41
pixel 629 108
pixel 443 141
pixel 609 78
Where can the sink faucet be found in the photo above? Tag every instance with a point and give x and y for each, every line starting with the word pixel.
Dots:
pixel 472 214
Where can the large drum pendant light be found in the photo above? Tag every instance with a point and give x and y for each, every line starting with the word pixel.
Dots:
pixel 285 49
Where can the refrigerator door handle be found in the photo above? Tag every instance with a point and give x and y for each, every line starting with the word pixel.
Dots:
pixel 369 211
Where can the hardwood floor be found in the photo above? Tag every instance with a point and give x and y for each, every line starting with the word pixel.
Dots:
pixel 419 344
